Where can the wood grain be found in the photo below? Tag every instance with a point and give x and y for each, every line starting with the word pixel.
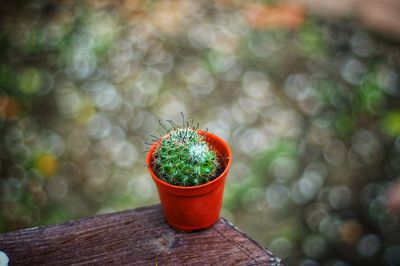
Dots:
pixel 133 237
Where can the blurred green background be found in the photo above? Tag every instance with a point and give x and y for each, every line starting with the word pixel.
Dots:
pixel 310 107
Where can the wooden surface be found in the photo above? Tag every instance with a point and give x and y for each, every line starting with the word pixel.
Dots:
pixel 133 237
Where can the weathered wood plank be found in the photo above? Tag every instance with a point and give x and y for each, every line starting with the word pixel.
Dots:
pixel 133 237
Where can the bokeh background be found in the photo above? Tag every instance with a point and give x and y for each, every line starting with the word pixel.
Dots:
pixel 306 93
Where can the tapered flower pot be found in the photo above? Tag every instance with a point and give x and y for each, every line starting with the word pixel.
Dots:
pixel 195 207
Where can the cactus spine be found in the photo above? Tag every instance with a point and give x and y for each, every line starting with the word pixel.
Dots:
pixel 184 158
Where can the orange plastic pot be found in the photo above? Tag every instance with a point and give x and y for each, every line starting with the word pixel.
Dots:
pixel 196 207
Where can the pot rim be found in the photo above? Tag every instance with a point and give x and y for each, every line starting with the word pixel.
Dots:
pixel 188 188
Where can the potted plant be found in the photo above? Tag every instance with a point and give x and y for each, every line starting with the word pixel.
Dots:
pixel 189 167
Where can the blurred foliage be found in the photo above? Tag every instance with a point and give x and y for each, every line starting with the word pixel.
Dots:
pixel 310 109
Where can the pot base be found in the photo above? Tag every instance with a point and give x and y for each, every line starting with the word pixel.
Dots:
pixel 188 229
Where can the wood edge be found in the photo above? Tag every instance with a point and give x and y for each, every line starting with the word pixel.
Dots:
pixel 274 260
pixel 80 220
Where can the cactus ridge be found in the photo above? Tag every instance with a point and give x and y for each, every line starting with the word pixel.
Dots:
pixel 184 158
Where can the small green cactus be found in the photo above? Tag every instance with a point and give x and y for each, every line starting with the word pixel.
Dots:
pixel 184 158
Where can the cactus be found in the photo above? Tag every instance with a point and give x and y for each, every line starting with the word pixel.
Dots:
pixel 184 158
